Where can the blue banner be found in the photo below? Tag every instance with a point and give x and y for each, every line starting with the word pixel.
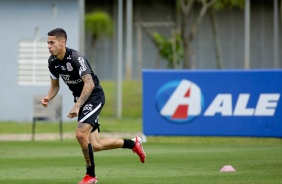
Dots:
pixel 212 102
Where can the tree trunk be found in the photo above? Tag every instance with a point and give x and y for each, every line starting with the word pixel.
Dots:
pixel 185 10
pixel 214 24
pixel 281 10
pixel 185 40
pixel 186 48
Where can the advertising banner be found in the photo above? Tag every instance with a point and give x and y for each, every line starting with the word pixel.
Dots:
pixel 212 102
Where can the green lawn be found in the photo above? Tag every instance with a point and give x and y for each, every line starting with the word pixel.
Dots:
pixel 131 98
pixel 108 124
pixel 178 160
pixel 131 114
pixel 169 160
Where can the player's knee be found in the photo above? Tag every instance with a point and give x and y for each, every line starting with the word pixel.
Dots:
pixel 97 147
pixel 80 136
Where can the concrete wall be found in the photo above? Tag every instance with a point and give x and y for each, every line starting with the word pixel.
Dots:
pixel 19 20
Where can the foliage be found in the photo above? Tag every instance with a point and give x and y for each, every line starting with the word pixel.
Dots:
pixel 99 24
pixel 184 8
pixel 168 47
pixel 228 4
pixel 218 5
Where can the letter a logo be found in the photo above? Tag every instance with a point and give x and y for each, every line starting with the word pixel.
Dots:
pixel 179 101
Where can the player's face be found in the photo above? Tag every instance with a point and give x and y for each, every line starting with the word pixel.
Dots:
pixel 55 45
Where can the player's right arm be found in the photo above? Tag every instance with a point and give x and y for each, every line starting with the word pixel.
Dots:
pixel 53 91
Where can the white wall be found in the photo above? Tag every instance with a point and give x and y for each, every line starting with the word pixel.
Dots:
pixel 19 20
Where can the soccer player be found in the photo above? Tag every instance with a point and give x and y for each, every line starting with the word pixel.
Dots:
pixel 89 100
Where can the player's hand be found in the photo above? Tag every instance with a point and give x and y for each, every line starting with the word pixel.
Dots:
pixel 45 101
pixel 73 113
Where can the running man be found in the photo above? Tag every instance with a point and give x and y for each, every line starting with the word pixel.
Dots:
pixel 89 100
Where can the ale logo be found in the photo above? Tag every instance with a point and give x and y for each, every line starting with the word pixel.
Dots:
pixel 180 101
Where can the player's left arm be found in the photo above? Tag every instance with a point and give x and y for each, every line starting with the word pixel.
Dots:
pixel 86 91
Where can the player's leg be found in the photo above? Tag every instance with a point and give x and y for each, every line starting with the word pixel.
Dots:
pixel 108 143
pixel 89 115
pixel 134 144
pixel 82 135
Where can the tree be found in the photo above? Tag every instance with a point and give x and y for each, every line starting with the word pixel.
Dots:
pixel 185 7
pixel 218 6
pixel 187 36
pixel 98 24
pixel 169 48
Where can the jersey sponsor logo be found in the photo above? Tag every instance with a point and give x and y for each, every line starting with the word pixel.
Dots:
pixel 67 80
pixel 69 67
pixel 82 65
pixel 65 77
pixel 182 101
pixel 73 81
pixel 69 57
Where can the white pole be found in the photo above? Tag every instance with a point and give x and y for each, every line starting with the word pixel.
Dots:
pixel 119 59
pixel 247 34
pixel 139 51
pixel 275 34
pixel 129 39
pixel 81 4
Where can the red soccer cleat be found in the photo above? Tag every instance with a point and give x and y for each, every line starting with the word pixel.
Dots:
pixel 138 149
pixel 88 180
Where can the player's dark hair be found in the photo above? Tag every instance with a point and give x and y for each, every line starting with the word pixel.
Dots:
pixel 58 32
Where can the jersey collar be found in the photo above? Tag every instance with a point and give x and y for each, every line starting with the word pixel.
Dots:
pixel 67 54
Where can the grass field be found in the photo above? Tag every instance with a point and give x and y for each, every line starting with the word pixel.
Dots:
pixel 131 98
pixel 169 160
pixel 108 124
pixel 178 160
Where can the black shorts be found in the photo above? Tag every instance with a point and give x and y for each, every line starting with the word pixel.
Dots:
pixel 89 112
